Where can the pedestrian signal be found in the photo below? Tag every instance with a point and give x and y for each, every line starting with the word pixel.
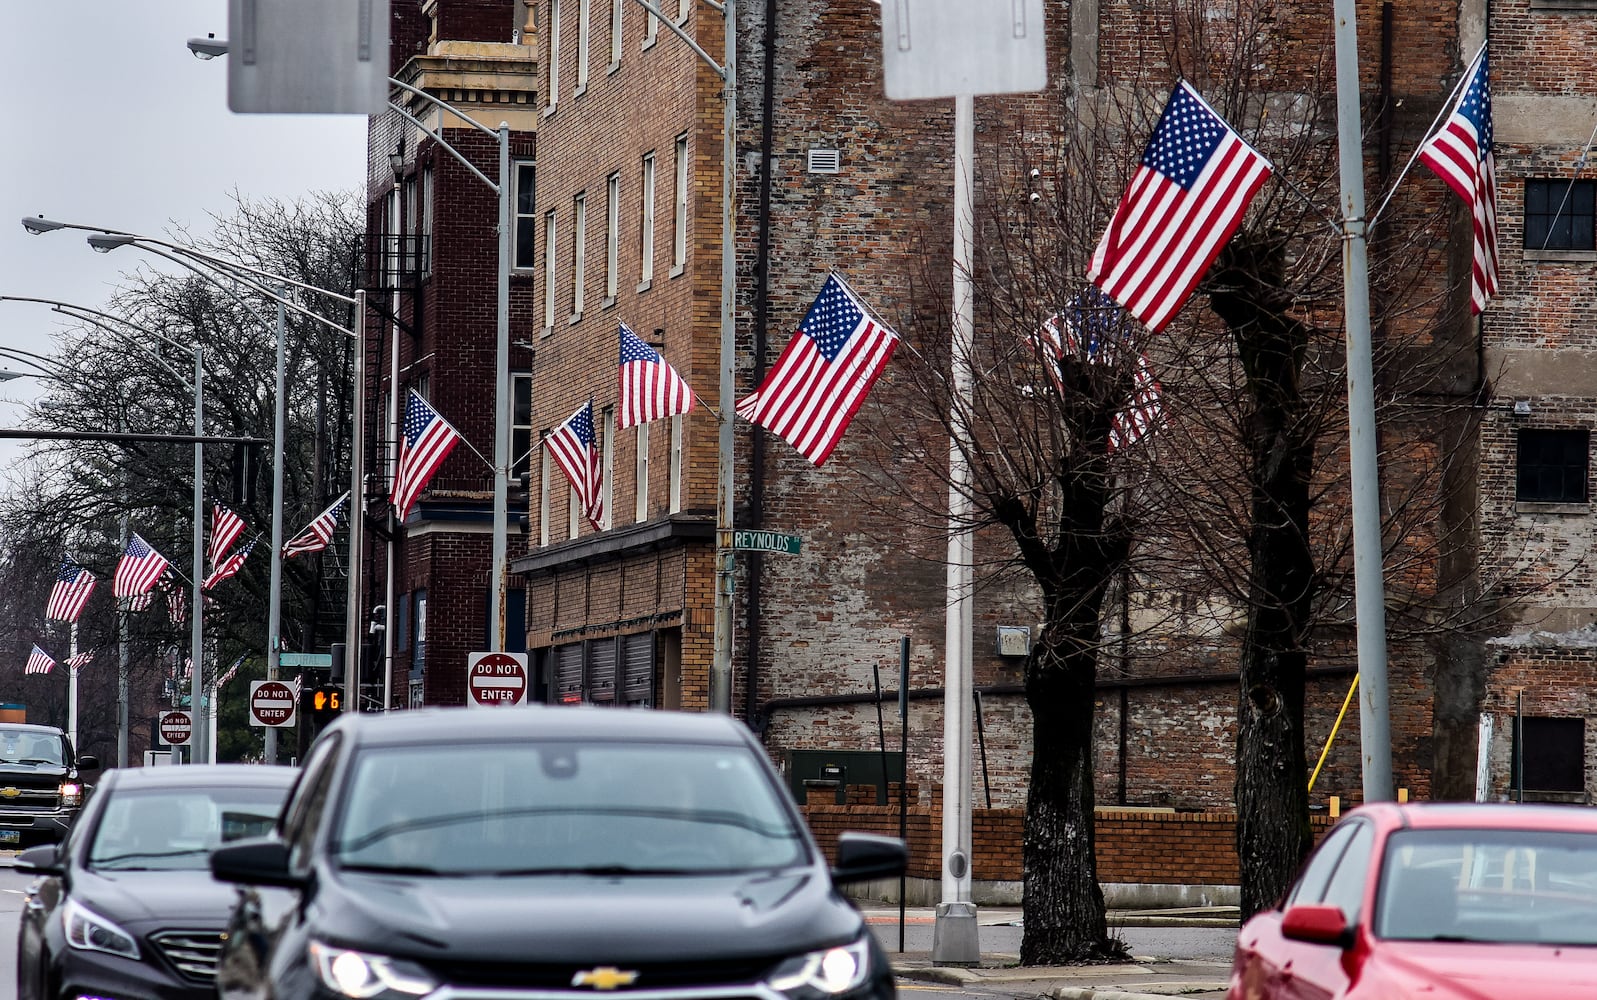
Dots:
pixel 327 701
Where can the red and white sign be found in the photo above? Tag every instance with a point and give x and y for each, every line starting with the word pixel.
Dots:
pixel 273 703
pixel 176 728
pixel 495 679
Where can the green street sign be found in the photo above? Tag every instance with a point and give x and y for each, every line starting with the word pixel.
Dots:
pixel 766 541
pixel 304 659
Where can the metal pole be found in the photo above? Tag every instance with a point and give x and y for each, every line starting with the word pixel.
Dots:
pixel 72 687
pixel 903 785
pixel 1519 745
pixel 502 414
pixel 1369 601
pixel 121 652
pixel 357 513
pixel 274 614
pixel 955 934
pixel 981 742
pixel 881 728
pixel 197 609
pixel 721 671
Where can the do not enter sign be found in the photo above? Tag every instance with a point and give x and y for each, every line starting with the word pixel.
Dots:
pixel 272 703
pixel 176 728
pixel 494 679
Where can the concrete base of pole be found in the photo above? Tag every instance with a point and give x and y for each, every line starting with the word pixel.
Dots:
pixel 955 939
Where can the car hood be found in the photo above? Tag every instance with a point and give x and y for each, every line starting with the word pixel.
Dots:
pixel 1490 970
pixel 156 898
pixel 577 918
pixel 32 776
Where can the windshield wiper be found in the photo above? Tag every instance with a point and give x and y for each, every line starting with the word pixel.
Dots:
pixel 599 870
pixel 397 869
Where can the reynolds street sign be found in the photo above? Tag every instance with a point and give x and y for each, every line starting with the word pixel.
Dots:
pixel 176 728
pixel 272 703
pixel 766 541
pixel 495 679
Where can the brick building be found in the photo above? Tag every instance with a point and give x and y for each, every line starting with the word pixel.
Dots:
pixel 617 132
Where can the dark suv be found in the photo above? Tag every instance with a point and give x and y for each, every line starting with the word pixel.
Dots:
pixel 41 787
pixel 548 853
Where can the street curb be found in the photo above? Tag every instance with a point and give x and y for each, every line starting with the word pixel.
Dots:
pixel 1164 991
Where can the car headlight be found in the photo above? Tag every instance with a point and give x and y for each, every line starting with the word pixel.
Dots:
pixel 89 931
pixel 359 974
pixel 71 794
pixel 826 973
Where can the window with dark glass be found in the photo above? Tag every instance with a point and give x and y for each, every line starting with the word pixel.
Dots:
pixel 1559 214
pixel 526 221
pixel 1551 465
pixel 1555 754
pixel 520 424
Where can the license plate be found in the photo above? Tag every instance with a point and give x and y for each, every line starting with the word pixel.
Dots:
pixel 10 836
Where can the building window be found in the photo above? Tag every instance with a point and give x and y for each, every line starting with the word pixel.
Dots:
pixel 612 235
pixel 679 238
pixel 418 655
pixel 427 219
pixel 402 625
pixel 520 424
pixel 646 222
pixel 1554 751
pixel 616 8
pixel 411 252
pixel 640 498
pixel 607 463
pixel 554 53
pixel 1559 214
pixel 674 486
pixel 573 525
pixel 1551 466
pixel 579 252
pixel 549 271
pixel 526 215
pixel 394 241
pixel 584 8
pixel 651 29
pixel 543 498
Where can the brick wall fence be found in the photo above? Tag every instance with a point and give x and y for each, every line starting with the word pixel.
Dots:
pixel 1136 847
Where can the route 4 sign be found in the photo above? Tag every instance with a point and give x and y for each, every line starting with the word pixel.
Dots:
pixel 273 703
pixel 496 679
pixel 176 728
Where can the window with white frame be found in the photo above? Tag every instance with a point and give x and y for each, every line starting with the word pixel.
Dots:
pixel 427 219
pixel 520 424
pixel 579 251
pixel 612 236
pixel 683 6
pixel 411 255
pixel 546 467
pixel 646 222
pixel 526 221
pixel 674 487
pixel 392 244
pixel 573 525
pixel 607 459
pixel 651 29
pixel 584 10
pixel 679 237
pixel 554 53
pixel 549 271
pixel 640 499
pixel 616 9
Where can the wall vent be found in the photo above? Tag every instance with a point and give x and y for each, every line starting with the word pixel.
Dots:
pixel 825 161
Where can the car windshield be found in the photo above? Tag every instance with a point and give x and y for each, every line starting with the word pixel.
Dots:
pixel 564 808
pixel 18 746
pixel 174 829
pixel 1503 886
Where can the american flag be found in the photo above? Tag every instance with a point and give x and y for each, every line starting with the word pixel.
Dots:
pixel 1093 328
pixel 1461 155
pixel 73 584
pixel 1143 414
pixel 138 569
pixel 1187 197
pixel 141 602
pixel 575 449
pixel 81 660
pixel 176 604
pixel 320 532
pixel 229 674
pixel 231 565
pixel 39 662
pixel 427 441
pixel 819 382
pixel 226 526
pixel 650 388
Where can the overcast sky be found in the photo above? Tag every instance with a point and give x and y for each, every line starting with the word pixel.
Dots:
pixel 114 123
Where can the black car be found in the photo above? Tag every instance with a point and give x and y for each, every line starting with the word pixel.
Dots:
pixel 127 908
pixel 548 852
pixel 41 783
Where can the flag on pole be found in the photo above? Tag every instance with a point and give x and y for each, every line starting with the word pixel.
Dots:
pixel 1143 414
pixel 650 388
pixel 1461 155
pixel 574 448
pixel 138 569
pixel 319 534
pixel 176 604
pixel 226 526
pixel 1187 197
pixel 427 441
pixel 39 662
pixel 812 393
pixel 231 565
pixel 141 602
pixel 229 674
pixel 73 584
pixel 81 660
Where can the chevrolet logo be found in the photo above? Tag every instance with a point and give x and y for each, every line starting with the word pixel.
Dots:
pixel 606 977
pixel 10 792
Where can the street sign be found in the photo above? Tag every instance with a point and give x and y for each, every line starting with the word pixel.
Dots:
pixel 272 703
pixel 176 728
pixel 278 63
pixel 305 659
pixel 955 48
pixel 496 679
pixel 766 541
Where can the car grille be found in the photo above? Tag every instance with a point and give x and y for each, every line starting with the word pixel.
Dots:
pixel 30 799
pixel 192 953
pixel 651 976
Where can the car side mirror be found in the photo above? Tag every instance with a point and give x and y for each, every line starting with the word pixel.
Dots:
pixel 863 856
pixel 88 762
pixel 42 860
pixel 258 861
pixel 1317 923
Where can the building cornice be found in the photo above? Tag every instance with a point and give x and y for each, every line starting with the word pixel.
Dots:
pixel 617 543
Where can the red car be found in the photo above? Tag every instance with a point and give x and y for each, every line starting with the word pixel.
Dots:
pixel 1451 901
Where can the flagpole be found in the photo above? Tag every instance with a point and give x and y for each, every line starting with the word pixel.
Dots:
pixel 72 686
pixel 274 615
pixel 197 627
